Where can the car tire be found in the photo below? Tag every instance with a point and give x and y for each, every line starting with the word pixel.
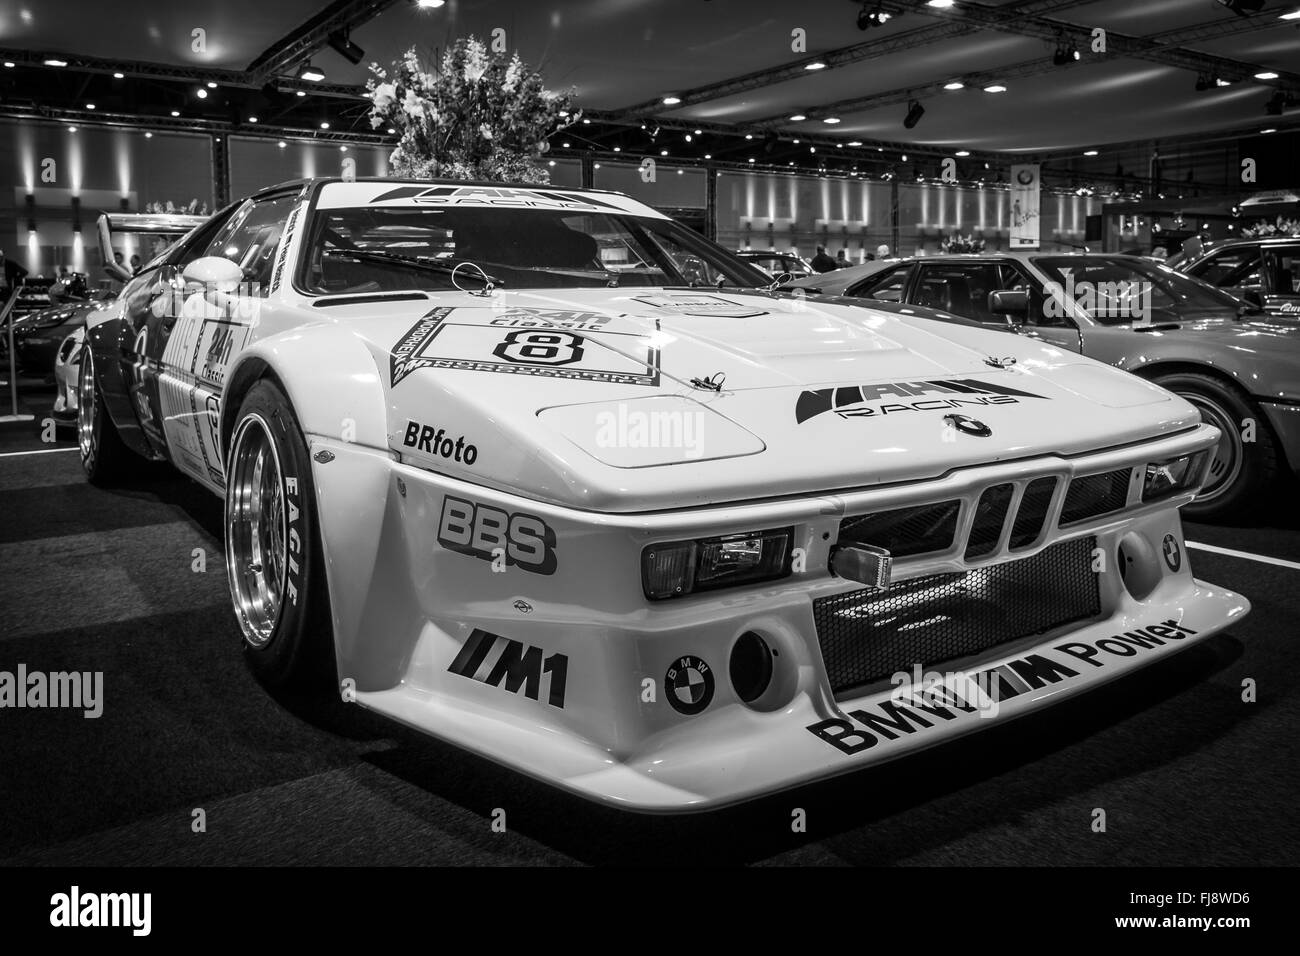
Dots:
pixel 104 456
pixel 274 558
pixel 1242 471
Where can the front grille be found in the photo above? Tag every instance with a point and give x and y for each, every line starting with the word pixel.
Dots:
pixel 904 532
pixel 1094 495
pixel 990 516
pixel 867 635
pixel 1034 504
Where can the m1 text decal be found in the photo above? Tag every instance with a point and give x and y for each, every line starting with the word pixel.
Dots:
pixel 511 665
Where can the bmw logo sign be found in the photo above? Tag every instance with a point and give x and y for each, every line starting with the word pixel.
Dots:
pixel 968 425
pixel 689 685
pixel 1173 553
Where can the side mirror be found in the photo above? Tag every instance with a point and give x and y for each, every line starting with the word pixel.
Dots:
pixel 1013 304
pixel 214 272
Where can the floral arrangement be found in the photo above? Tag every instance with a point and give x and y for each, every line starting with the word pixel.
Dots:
pixel 956 244
pixel 477 115
pixel 1283 227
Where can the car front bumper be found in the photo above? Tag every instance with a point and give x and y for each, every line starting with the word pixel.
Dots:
pixel 570 674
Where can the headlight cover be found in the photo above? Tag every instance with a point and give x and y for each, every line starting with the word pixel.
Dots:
pixel 676 568
pixel 1164 479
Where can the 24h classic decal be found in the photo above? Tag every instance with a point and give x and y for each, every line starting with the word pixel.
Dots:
pixel 548 350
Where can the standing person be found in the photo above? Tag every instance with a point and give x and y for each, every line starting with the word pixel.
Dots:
pixel 842 260
pixel 822 262
pixel 11 274
pixel 882 251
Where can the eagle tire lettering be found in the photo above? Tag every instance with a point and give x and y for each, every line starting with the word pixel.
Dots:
pixel 479 530
pixel 293 539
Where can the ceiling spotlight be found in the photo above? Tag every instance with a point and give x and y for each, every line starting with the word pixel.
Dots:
pixel 313 73
pixel 54 61
pixel 751 159
pixel 9 65
pixel 148 135
pixel 343 149
pixel 875 17
pixel 1090 152
pixel 90 106
pixel 1243 8
pixel 962 152
pixel 798 118
pixel 1220 81
pixel 914 113
pixel 1266 75
pixel 954 85
pixel 618 149
pixel 708 155
pixel 252 119
pixel 663 152
pixel 699 132
pixel 688 137
pixel 586 122
pixel 324 125
pixel 832 120
pixel 1265 132
pixel 72 129
pixel 212 84
pixel 201 93
pixel 392 131
pixel 282 144
pixel 116 76
pixel 429 4
pixel 995 88
pixel 342 44
pixel 815 65
pixel 940 4
pixel 176 112
pixel 301 92
pixel 749 136
pixel 855 142
pixel 671 100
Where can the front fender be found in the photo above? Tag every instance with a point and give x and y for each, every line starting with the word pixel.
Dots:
pixel 330 377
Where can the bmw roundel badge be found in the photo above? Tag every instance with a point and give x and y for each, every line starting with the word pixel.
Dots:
pixel 688 685
pixel 968 425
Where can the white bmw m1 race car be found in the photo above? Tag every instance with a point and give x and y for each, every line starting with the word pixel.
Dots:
pixel 542 473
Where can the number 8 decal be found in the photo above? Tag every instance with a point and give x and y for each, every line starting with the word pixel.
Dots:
pixel 531 347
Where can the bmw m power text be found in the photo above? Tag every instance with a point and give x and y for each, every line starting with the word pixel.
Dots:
pixel 544 474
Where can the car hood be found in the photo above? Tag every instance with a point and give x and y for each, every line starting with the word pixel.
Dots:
pixel 645 399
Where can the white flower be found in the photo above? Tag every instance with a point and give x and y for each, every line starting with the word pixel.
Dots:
pixel 513 72
pixel 412 105
pixel 383 96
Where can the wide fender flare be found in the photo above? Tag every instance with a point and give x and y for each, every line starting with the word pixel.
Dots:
pixel 329 376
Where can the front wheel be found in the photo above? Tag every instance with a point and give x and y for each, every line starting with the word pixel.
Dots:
pixel 104 456
pixel 1245 463
pixel 273 551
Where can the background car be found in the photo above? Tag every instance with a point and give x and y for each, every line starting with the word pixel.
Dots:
pixel 777 264
pixel 1264 271
pixel 847 281
pixel 1239 367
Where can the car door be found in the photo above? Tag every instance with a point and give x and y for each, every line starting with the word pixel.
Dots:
pixel 1041 323
pixel 1280 272
pixel 198 329
pixel 1235 269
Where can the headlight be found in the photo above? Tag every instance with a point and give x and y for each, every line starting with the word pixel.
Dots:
pixel 1166 478
pixel 683 567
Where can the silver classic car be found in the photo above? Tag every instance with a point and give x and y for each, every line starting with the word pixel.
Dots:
pixel 1238 365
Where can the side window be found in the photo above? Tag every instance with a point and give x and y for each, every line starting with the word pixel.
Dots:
pixel 1015 278
pixel 887 286
pixel 1231 269
pixel 250 238
pixel 962 289
pixel 1282 266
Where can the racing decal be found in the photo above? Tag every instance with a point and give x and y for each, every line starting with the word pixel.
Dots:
pixel 870 401
pixel 553 319
pixel 481 531
pixel 629 358
pixel 943 703
pixel 494 196
pixel 511 665
pixel 1172 552
pixel 432 441
pixel 700 305
pixel 688 685
pixel 285 237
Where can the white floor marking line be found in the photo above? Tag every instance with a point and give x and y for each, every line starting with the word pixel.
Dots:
pixel 1262 558
pixel 39 451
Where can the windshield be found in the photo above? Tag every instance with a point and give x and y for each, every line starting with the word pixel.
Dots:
pixel 377 249
pixel 1116 290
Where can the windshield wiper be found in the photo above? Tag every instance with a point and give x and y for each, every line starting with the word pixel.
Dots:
pixel 456 271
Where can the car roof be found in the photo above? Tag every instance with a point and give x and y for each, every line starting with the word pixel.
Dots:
pixel 308 181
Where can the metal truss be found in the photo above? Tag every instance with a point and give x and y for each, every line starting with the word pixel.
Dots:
pixel 297 46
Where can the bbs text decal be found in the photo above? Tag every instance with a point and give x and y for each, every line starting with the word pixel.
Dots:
pixel 481 531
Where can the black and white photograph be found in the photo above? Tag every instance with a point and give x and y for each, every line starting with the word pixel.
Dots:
pixel 673 434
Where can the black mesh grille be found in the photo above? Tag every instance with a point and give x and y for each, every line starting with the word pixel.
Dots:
pixel 990 516
pixel 1033 511
pixel 905 531
pixel 867 635
pixel 1095 495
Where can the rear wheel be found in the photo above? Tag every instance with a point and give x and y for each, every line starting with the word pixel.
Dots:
pixel 273 552
pixel 104 455
pixel 1242 470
